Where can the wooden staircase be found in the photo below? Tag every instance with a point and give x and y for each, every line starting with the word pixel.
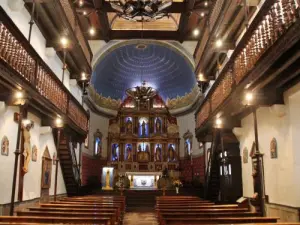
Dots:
pixel 213 172
pixel 68 165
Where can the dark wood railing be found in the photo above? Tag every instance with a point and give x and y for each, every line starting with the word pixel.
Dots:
pixel 18 54
pixel 272 21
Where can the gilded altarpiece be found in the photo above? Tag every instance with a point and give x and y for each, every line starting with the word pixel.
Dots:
pixel 144 137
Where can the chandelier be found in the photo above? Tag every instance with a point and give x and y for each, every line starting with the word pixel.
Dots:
pixel 143 92
pixel 141 10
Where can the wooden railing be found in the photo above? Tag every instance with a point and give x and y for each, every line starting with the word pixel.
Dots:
pixel 272 21
pixel 18 54
pixel 71 17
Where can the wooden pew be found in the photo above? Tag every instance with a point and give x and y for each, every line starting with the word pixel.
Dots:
pixel 217 220
pixel 82 206
pixel 229 206
pixel 112 216
pixel 50 220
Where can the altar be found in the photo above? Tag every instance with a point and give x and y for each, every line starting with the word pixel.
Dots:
pixel 143 180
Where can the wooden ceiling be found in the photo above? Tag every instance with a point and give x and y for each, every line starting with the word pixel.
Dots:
pixel 184 17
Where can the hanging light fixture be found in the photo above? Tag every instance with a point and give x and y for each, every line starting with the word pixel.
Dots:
pixel 146 10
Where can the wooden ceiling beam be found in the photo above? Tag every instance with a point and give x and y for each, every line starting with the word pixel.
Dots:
pixel 184 19
pixel 103 18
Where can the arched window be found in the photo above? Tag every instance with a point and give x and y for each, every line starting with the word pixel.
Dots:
pixel 97 143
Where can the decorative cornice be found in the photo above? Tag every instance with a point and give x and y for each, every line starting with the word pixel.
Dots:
pixel 183 101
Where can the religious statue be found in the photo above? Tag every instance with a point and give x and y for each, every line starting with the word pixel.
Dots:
pixel 158 153
pixel 128 126
pixel 129 153
pixel 139 148
pixel 107 179
pixel 143 128
pixel 27 147
pixel 114 152
pixel 171 154
pixel 158 125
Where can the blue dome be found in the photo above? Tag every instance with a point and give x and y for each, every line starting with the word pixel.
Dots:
pixel 162 67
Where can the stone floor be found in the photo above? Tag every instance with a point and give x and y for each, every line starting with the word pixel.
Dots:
pixel 140 218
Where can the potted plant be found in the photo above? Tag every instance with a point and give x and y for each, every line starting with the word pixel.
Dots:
pixel 177 183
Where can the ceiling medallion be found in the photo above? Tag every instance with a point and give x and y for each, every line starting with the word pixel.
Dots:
pixel 141 10
pixel 141 46
pixel 143 92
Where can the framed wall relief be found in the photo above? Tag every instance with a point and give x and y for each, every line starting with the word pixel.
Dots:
pixel 34 153
pixel 86 141
pixel 245 155
pixel 273 149
pixel 54 158
pixel 97 143
pixel 5 146
pixel 46 169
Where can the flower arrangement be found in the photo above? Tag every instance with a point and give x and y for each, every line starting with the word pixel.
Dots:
pixel 177 183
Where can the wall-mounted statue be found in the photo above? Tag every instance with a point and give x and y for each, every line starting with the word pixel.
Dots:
pixel 273 148
pixel 158 125
pixel 5 146
pixel 128 151
pixel 171 152
pixel 188 143
pixel 129 125
pixel 158 153
pixel 27 146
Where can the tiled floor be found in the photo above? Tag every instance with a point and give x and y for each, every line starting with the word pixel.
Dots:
pixel 140 218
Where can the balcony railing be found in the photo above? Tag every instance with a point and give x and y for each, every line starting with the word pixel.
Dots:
pixel 272 21
pixel 17 53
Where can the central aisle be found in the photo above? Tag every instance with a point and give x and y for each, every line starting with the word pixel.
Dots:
pixel 140 218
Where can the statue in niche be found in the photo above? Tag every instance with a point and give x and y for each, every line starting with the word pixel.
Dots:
pixel 273 148
pixel 27 147
pixel 143 128
pixel 114 152
pixel 158 125
pixel 107 179
pixel 171 153
pixel 158 153
pixel 139 148
pixel 128 126
pixel 5 146
pixel 143 156
pixel 147 148
pixel 129 153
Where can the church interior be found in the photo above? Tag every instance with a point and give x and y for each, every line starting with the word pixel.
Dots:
pixel 149 112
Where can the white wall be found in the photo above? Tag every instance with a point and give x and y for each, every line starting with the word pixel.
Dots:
pixel 21 18
pixel 32 180
pixel 101 123
pixel 282 180
pixel 185 123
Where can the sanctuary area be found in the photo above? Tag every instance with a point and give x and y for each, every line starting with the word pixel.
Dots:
pixel 149 112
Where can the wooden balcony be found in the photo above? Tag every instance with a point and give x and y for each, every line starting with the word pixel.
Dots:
pixel 22 67
pixel 58 18
pixel 261 51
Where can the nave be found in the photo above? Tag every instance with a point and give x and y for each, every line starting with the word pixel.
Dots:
pixel 111 210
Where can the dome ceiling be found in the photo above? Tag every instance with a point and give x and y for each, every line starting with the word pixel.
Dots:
pixel 127 66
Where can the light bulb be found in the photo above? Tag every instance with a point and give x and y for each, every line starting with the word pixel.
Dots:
pixel 64 42
pixel 196 32
pixel 219 43
pixel 92 31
